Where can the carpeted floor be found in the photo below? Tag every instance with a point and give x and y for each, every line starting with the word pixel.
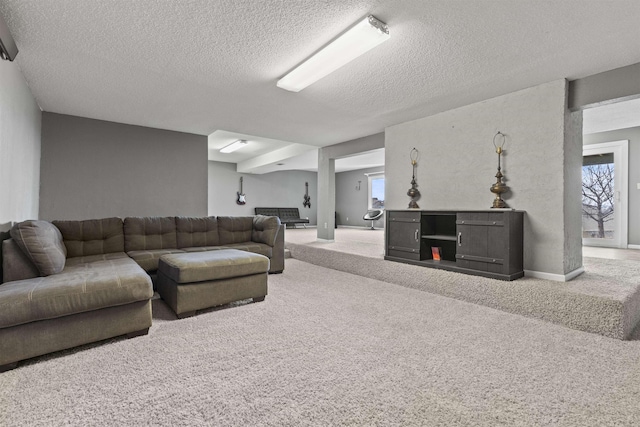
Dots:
pixel 604 300
pixel 327 348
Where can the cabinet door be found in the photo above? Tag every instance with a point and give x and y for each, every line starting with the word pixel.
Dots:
pixel 403 234
pixel 482 241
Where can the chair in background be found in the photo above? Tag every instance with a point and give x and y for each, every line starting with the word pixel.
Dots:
pixel 373 215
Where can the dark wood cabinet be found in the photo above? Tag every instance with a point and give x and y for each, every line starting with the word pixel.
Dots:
pixel 485 243
pixel 405 241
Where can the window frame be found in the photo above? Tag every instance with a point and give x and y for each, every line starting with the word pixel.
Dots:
pixel 370 178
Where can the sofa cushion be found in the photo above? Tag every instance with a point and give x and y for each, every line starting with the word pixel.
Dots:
pixel 256 248
pixel 204 248
pixel 79 288
pixel 213 265
pixel 265 229
pixel 92 237
pixel 93 258
pixel 192 232
pixel 235 229
pixel 149 233
pixel 42 242
pixel 148 260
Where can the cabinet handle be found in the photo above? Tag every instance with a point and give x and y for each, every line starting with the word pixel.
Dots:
pixel 460 238
pixel 416 236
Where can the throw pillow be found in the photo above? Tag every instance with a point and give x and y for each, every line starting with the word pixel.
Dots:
pixel 42 242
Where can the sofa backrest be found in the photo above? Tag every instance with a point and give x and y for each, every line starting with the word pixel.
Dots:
pixel 197 231
pixel 148 233
pixel 16 265
pixel 235 229
pixel 92 237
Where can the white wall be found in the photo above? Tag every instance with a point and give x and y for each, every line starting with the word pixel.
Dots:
pixel 20 120
pixel 284 189
pixel 457 166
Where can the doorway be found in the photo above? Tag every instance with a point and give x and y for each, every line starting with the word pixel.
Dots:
pixel 605 194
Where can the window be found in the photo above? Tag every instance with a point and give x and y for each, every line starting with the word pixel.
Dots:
pixel 376 191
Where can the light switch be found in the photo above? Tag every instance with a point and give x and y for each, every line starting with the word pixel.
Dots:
pixel 638 185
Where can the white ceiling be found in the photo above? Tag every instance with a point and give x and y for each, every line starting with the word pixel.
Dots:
pixel 206 66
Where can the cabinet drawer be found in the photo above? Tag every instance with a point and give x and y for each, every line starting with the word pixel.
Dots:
pixel 403 216
pixel 488 219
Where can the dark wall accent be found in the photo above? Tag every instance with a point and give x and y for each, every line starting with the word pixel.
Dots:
pixel 98 169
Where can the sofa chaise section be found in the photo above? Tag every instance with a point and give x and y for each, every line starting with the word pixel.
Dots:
pixel 95 295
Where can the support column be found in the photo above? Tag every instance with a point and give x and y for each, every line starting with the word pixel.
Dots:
pixel 326 196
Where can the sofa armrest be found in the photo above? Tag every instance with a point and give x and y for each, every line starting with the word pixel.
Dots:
pixel 15 263
pixel 277 257
pixel 265 229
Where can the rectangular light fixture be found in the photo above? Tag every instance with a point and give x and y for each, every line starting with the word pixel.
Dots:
pixel 233 146
pixel 360 38
pixel 8 48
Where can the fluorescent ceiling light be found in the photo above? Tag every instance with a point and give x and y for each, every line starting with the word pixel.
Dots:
pixel 360 38
pixel 233 146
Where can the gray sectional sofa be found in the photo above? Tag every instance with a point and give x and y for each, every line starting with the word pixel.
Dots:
pixel 67 283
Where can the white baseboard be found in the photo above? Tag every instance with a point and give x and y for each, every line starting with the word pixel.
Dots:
pixel 325 240
pixel 633 246
pixel 555 277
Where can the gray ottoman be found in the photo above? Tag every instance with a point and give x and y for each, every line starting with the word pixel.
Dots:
pixel 192 281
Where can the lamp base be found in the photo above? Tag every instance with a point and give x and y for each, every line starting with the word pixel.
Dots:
pixel 498 188
pixel 498 203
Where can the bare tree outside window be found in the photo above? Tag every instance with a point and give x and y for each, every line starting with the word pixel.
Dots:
pixel 597 196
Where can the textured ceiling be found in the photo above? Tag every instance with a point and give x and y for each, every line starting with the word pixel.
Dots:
pixel 202 66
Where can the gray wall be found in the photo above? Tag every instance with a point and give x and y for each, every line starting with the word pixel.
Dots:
pixel 457 166
pixel 352 204
pixel 327 177
pixel 284 189
pixel 95 169
pixel 20 120
pixel 633 135
pixel 618 84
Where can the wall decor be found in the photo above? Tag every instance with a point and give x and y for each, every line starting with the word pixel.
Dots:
pixel 499 187
pixel 241 196
pixel 413 192
pixel 307 198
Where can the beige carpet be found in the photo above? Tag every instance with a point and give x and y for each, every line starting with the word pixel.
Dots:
pixel 327 348
pixel 604 300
